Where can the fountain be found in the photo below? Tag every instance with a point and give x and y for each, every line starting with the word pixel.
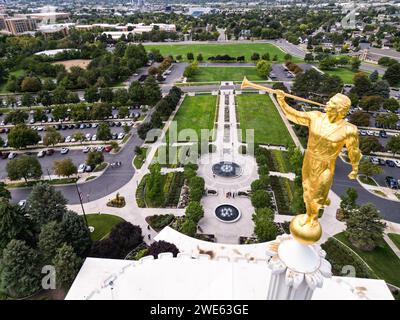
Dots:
pixel 227 213
pixel 227 169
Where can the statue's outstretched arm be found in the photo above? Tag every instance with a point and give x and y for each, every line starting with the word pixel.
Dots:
pixel 354 152
pixel 299 117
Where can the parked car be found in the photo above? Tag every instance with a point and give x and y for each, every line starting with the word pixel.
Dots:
pixel 114 136
pixel 391 182
pixel 375 160
pixel 363 132
pixel 81 168
pixel 397 163
pixel 68 139
pixel 94 137
pixel 390 163
pixel 370 132
pixel 4 155
pixel 381 162
pixel 12 155
pixel 49 152
pixel 64 150
pixel 107 148
pixel 88 136
pixel 22 204
pixel 383 134
pixel 88 169
pixel 121 136
pixel 100 148
pixel 41 154
pixel 86 149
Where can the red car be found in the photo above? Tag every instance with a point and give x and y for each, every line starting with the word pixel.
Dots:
pixel 107 148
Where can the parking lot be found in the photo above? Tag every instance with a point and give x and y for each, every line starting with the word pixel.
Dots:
pixel 77 155
pixel 281 73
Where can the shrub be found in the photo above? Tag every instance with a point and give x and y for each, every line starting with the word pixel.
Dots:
pixel 117 202
pixel 159 222
pixel 161 246
pixel 260 199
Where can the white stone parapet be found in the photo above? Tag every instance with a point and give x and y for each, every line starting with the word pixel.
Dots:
pixel 296 269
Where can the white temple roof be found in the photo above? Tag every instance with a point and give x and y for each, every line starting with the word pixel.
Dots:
pixel 203 270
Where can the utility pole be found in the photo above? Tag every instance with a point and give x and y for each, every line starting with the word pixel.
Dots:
pixel 80 200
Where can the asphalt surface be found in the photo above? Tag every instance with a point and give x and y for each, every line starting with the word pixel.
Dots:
pixel 390 210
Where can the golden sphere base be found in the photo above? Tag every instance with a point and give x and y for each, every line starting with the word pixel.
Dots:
pixel 305 233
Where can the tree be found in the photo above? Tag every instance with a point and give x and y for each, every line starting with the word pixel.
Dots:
pixel 161 246
pixel 94 158
pixel 123 112
pixel 263 68
pixel 261 199
pixel 50 239
pixel 371 103
pixel 189 227
pixel 364 228
pixel 260 184
pixel 106 94
pixel 12 223
pixel 392 74
pixel 348 202
pixel 288 57
pixel 76 233
pixel 369 169
pixel 45 204
pixel 27 100
pixel 21 136
pixel 370 144
pixel 103 132
pixel 136 93
pixel 91 94
pixel 79 136
pixel 391 104
pixel 194 211
pixel 266 56
pixel 199 57
pixel 374 76
pixel 394 144
pixel 31 84
pixel 381 88
pixel 4 193
pixel 51 137
pixel 388 120
pixel 16 117
pixel 26 167
pixel 328 63
pixel 190 56
pixel 309 57
pixel 152 92
pixel 121 96
pixel 64 168
pixel 124 237
pixel 360 118
pixel 355 63
pixel 265 228
pixel 20 274
pixel 362 84
pixel 67 265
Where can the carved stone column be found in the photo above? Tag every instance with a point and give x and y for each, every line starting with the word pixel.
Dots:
pixel 296 269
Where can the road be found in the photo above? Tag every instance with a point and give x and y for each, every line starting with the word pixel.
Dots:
pixel 390 210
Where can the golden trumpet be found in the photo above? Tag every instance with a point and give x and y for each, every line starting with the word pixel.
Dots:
pixel 247 84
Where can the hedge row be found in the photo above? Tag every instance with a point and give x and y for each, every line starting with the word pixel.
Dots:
pixel 140 193
pixel 174 191
pixel 281 196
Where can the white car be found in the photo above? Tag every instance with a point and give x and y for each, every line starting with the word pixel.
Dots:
pixel 95 125
pixel 22 203
pixel 86 149
pixel 363 132
pixel 68 139
pixel 94 137
pixel 81 168
pixel 88 136
pixel 41 154
pixel 397 163
pixel 121 136
pixel 64 150
pixel 32 121
pixel 39 128
pixel 12 155
pixel 100 148
pixel 370 133
pixel 376 133
pixel 374 160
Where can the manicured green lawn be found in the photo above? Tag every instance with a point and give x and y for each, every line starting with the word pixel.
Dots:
pixel 383 261
pixel 102 223
pixel 344 73
pixel 259 113
pixel 225 74
pixel 208 50
pixel 395 238
pixel 196 113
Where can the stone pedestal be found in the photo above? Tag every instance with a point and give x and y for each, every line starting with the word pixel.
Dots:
pixel 297 270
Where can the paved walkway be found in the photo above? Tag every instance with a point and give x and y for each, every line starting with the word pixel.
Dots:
pixel 392 245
